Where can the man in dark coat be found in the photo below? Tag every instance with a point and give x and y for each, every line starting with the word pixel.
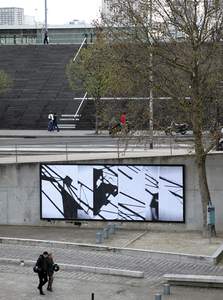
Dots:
pixel 46 39
pixel 42 264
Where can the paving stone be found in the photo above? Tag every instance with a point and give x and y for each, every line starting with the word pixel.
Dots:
pixel 152 267
pixel 73 284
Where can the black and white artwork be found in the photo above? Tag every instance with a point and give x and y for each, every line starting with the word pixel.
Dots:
pixel 112 192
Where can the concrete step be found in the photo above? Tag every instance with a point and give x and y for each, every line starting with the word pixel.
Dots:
pixel 67 126
pixel 194 280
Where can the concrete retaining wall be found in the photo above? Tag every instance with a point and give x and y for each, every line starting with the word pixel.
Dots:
pixel 20 192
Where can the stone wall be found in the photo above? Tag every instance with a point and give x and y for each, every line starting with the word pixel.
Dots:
pixel 20 192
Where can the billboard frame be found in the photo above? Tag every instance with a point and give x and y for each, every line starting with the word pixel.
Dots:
pixel 113 220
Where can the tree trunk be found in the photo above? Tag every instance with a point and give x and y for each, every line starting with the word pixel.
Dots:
pixel 204 190
pixel 96 115
pixel 197 121
pixel 201 168
pixel 96 124
pixel 201 156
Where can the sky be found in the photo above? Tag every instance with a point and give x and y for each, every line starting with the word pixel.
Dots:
pixel 59 11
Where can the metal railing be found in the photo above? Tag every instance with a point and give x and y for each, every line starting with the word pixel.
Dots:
pixel 25 152
pixel 36 38
pixel 82 44
pixel 73 117
pixel 70 119
pixel 80 105
pixel 76 116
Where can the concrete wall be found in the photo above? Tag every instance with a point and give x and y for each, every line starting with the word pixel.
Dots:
pixel 20 191
pixel 19 194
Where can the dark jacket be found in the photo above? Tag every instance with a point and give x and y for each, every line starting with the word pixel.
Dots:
pixel 42 263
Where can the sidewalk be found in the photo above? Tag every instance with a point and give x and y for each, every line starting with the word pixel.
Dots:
pixel 79 285
pixel 44 133
pixel 72 289
pixel 182 242
pixel 62 132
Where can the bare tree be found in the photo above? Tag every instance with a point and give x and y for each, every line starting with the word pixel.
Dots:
pixel 97 72
pixel 184 39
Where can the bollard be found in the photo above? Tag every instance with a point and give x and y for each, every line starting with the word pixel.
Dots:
pixel 92 296
pixel 22 263
pixel 166 289
pixel 99 237
pixel 158 297
pixel 105 233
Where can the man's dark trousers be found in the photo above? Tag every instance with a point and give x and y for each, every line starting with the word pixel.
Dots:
pixel 42 280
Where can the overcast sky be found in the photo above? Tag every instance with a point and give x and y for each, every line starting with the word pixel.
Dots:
pixel 59 11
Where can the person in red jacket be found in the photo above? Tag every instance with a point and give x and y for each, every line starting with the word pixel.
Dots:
pixel 123 119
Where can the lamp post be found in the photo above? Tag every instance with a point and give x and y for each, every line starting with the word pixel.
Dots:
pixel 151 81
pixel 46 27
pixel 46 37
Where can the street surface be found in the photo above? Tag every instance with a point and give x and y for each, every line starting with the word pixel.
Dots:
pixel 153 268
pixel 20 282
pixel 101 143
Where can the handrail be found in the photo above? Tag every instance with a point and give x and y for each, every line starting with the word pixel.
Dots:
pixel 79 107
pixel 130 98
pixel 85 95
pixel 75 57
pixel 124 98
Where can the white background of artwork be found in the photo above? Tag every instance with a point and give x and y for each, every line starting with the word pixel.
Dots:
pixel 170 207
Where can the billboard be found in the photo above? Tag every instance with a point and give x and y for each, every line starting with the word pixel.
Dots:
pixel 112 192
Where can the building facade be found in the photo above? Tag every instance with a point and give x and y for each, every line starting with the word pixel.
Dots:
pixel 11 16
pixel 34 34
pixel 105 7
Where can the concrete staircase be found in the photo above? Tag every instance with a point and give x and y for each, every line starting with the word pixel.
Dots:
pixel 87 116
pixel 39 85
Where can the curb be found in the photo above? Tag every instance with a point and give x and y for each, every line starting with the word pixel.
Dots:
pixel 194 280
pixel 45 134
pixel 213 260
pixel 218 255
pixel 79 268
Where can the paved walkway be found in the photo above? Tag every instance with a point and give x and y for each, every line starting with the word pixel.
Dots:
pixel 121 252
pixel 153 239
pixel 153 267
pixel 42 133
pixel 71 284
pixel 7 133
pixel 69 288
pixel 78 154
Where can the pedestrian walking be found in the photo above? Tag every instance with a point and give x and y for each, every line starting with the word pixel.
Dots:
pixel 50 272
pixel 42 269
pixel 55 125
pixel 46 39
pixel 50 121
